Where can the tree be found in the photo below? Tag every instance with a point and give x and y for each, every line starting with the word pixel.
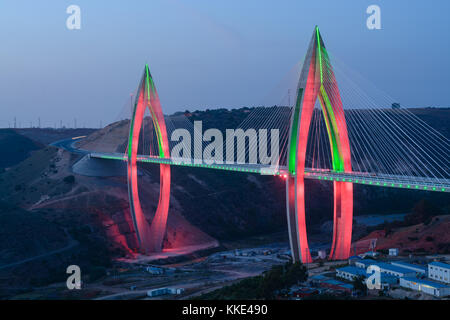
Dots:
pixel 69 179
pixel 423 211
pixel 359 284
pixel 296 273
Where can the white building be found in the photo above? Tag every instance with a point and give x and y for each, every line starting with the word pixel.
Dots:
pixel 322 254
pixel 154 270
pixel 369 254
pixel 393 252
pixel 439 271
pixel 163 291
pixel 426 286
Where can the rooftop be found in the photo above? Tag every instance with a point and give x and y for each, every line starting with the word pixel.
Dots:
pixel 440 264
pixel 410 265
pixel 318 277
pixel 390 267
pixel 426 282
pixel 367 262
pixel 339 283
pixel 353 270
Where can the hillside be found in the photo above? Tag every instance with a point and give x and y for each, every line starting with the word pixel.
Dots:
pixel 423 238
pixel 49 135
pixel 16 146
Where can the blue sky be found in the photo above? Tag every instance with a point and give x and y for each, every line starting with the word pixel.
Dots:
pixel 206 54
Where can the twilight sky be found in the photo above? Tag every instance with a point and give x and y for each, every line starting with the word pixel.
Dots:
pixel 206 53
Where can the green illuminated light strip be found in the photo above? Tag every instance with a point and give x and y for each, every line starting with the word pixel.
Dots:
pixel 155 120
pixel 320 53
pixel 294 133
pixel 310 175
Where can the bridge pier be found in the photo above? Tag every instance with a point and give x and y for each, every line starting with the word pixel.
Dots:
pixel 150 236
pixel 317 81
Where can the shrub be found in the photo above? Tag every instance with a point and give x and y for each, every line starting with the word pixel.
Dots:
pixel 69 179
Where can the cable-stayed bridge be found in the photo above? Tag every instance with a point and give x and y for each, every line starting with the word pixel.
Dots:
pixel 314 139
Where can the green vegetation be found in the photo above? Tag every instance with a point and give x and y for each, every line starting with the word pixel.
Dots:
pixel 69 179
pixel 16 147
pixel 359 284
pixel 423 212
pixel 93 250
pixel 25 183
pixel 266 286
pixel 96 273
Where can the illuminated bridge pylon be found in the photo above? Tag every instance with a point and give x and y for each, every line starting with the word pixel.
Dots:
pixel 317 81
pixel 150 236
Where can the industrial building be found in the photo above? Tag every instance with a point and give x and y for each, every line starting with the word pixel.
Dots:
pixel 393 252
pixel 154 270
pixel 350 273
pixel 422 270
pixel 336 285
pixel 163 291
pixel 430 287
pixel 439 271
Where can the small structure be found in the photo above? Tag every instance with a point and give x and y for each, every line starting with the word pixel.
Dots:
pixel 163 291
pixel 322 254
pixel 157 292
pixel 154 270
pixel 430 287
pixel 369 254
pixel 439 271
pixel 393 252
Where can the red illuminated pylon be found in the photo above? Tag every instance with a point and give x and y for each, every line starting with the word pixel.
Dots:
pixel 317 81
pixel 150 237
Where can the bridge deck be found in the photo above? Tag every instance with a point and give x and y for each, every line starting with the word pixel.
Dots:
pixel 404 182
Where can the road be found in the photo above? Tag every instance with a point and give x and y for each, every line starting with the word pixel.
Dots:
pixel 67 144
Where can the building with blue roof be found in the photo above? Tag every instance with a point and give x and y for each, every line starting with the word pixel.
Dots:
pixel 439 271
pixel 350 273
pixel 440 264
pixel 364 263
pixel 337 285
pixel 395 271
pixel 415 267
pixel 430 287
pixel 318 278
pixel 388 268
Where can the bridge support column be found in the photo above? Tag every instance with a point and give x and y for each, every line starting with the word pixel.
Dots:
pixel 150 237
pixel 317 80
